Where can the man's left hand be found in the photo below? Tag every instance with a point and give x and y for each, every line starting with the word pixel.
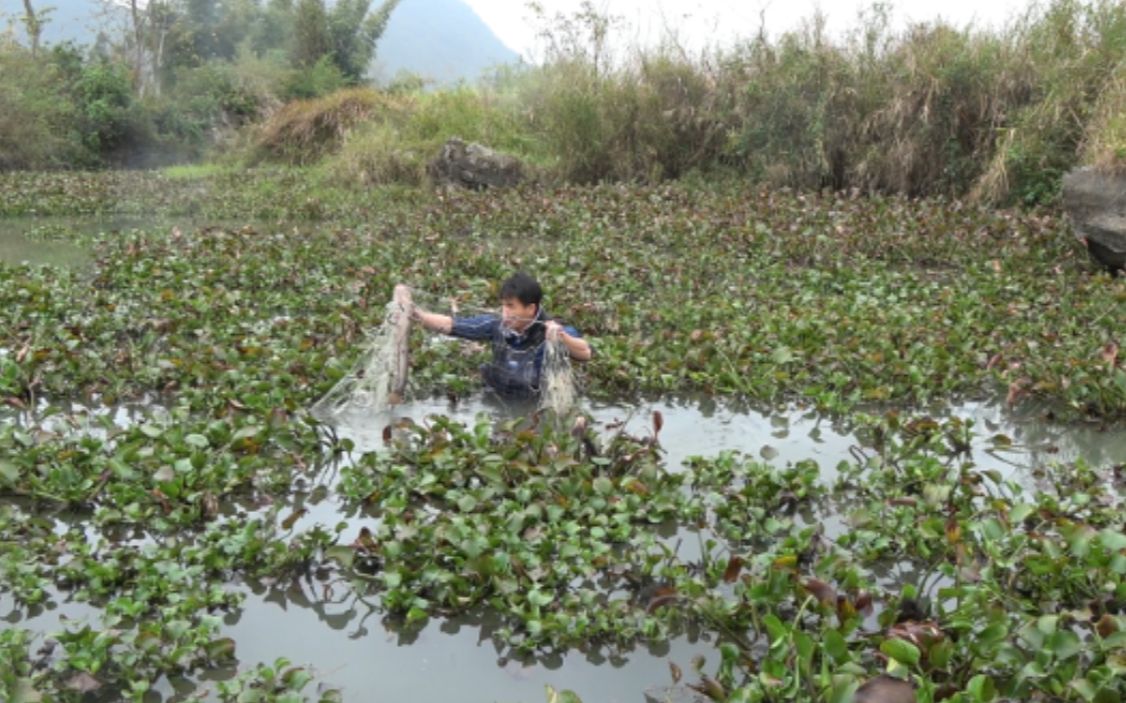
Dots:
pixel 554 329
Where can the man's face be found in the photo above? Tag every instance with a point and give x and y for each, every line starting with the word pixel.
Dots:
pixel 515 315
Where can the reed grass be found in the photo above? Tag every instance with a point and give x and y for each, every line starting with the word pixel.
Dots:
pixel 934 109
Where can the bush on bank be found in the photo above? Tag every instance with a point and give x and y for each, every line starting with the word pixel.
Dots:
pixel 998 115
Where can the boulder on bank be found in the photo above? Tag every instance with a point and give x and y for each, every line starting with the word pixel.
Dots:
pixel 474 166
pixel 1096 203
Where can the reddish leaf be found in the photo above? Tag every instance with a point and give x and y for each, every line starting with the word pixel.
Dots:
pixel 920 634
pixel 290 521
pixel 635 486
pixel 658 422
pixel 366 542
pixel 734 566
pixel 675 671
pixel 1016 390
pixel 661 596
pixel 710 688
pixel 83 683
pixel 885 689
pixel 1110 354
pixel 953 531
pixel 1106 626
pixel 822 591
pixel 864 602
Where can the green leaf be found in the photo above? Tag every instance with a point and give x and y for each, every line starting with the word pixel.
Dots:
pixel 835 646
pixel 538 598
pixel 1046 624
pixel 246 432
pixel 782 355
pixel 775 629
pixel 1064 644
pixel 220 649
pixel 8 471
pixel 1084 688
pixel 197 440
pixel 341 554
pixel 1113 540
pixel 901 650
pixel 564 696
pixel 1020 511
pixel 940 653
pixel 466 503
pixel 804 644
pixel 981 689
pixel 844 691
pixel 25 692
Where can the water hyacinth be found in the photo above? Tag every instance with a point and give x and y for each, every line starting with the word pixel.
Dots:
pixel 158 461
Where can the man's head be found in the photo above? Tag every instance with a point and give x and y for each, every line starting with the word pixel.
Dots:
pixel 520 297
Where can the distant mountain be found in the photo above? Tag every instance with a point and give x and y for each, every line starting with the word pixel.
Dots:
pixel 440 40
pixel 443 40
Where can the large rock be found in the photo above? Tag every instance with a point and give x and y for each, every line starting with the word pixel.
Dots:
pixel 474 166
pixel 1096 203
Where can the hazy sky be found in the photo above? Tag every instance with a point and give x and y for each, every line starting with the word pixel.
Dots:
pixel 700 23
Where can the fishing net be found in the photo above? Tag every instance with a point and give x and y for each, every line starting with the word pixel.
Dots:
pixel 379 377
pixel 557 379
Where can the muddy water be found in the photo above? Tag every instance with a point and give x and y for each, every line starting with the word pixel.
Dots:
pixel 39 242
pixel 349 645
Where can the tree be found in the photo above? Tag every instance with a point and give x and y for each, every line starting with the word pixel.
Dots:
pixel 347 34
pixel 354 34
pixel 310 33
pixel 34 22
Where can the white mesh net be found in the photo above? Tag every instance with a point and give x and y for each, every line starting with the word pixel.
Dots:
pixel 557 380
pixel 379 377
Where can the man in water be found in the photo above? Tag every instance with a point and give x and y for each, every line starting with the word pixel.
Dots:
pixel 517 335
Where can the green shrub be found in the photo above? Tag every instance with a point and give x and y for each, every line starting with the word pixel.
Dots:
pixel 37 122
pixel 320 79
pixel 376 154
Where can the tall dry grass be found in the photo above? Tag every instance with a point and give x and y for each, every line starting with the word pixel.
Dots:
pixel 305 131
pixel 934 109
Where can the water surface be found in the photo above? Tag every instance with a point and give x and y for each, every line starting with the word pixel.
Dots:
pixel 351 646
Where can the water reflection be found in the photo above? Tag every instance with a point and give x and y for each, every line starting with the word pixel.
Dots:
pixel 48 241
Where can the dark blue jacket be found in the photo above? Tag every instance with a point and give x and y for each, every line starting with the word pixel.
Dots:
pixel 517 358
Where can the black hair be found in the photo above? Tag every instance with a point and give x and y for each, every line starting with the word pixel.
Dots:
pixel 522 287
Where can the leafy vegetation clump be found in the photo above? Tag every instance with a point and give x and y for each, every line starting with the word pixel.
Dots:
pixel 998 115
pixel 832 301
pixel 969 584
